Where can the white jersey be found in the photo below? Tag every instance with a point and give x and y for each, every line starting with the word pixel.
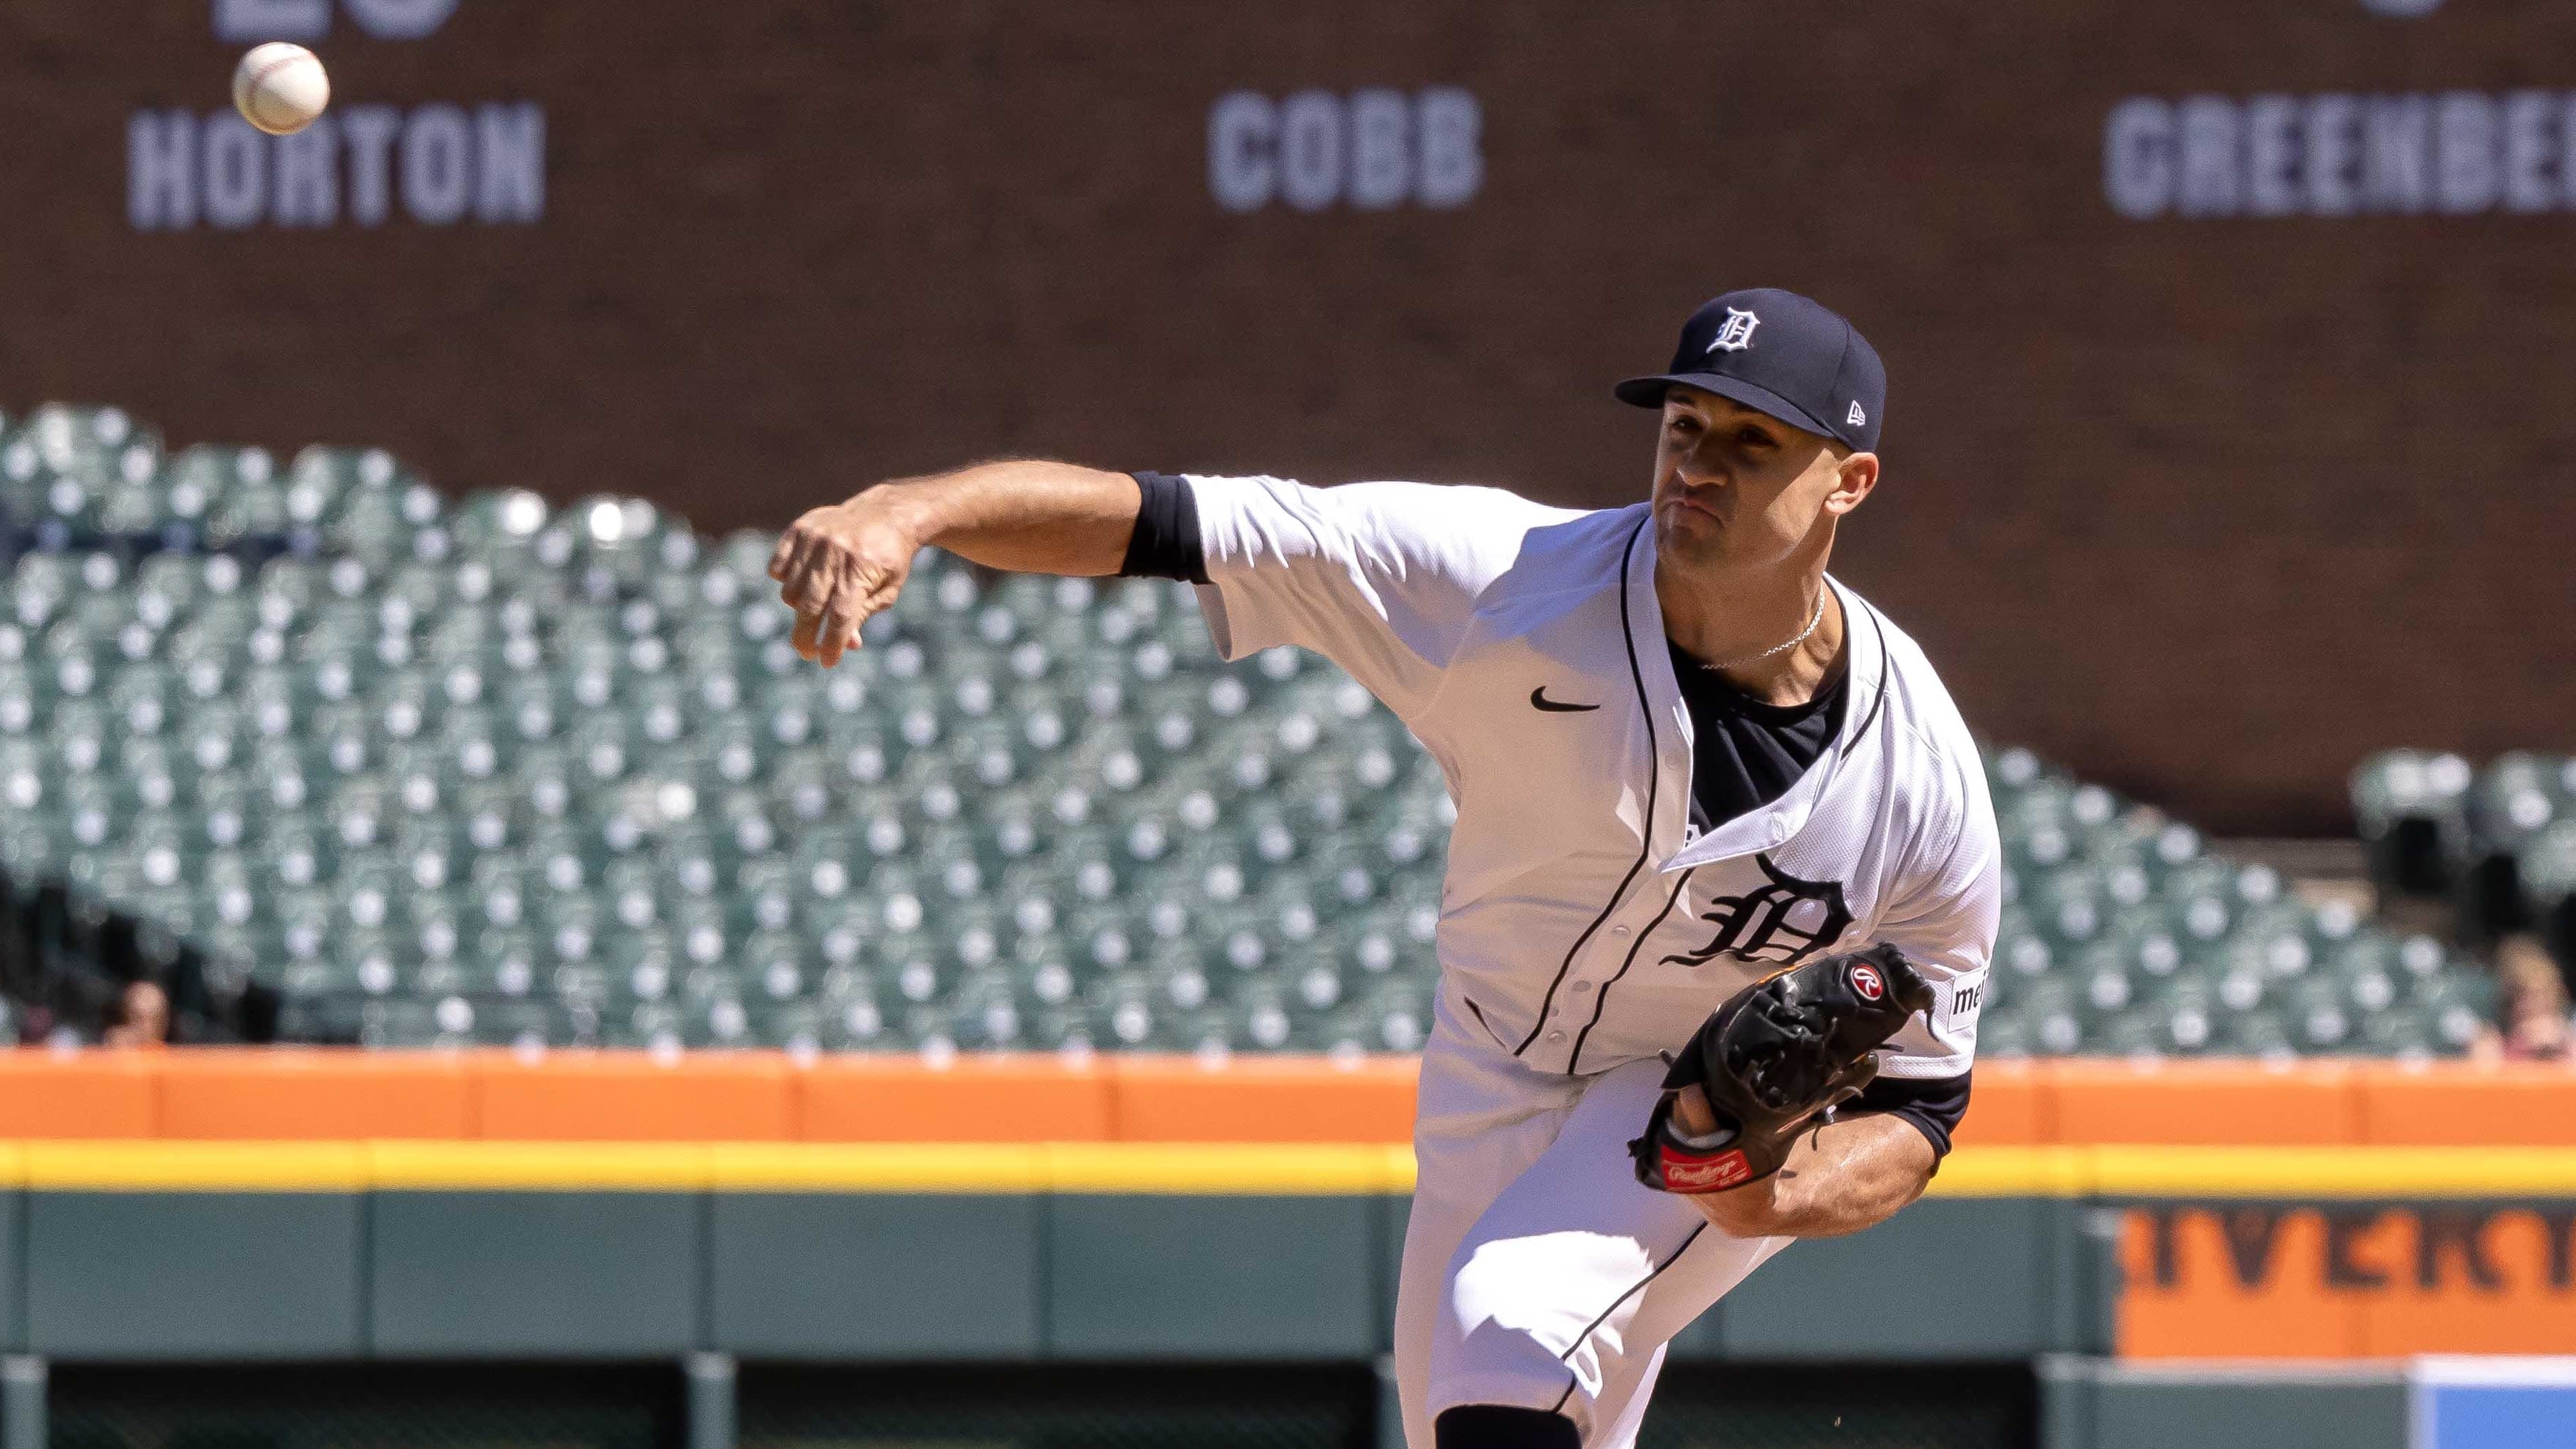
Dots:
pixel 1585 926
pixel 1585 923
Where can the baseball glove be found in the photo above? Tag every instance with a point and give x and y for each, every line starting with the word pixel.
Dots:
pixel 1775 1055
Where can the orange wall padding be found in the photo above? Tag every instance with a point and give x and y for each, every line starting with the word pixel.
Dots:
pixel 324 1093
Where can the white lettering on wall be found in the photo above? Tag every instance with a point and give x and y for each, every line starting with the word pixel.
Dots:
pixel 2461 153
pixel 2397 153
pixel 1370 150
pixel 2532 126
pixel 372 131
pixel 443 165
pixel 1310 150
pixel 307 185
pixel 400 19
pixel 233 179
pixel 1381 124
pixel 1241 126
pixel 1453 147
pixel 2333 153
pixel 247 21
pixel 161 170
pixel 437 164
pixel 510 163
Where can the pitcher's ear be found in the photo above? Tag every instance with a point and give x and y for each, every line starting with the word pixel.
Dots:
pixel 1855 477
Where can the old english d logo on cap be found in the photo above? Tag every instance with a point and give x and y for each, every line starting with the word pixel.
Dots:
pixel 1782 354
pixel 1736 333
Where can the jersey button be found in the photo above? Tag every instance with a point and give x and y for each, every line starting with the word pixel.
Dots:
pixel 1556 1036
pixel 1618 930
pixel 1582 986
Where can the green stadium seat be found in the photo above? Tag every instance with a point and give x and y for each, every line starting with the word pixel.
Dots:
pixel 2472 993
pixel 298 849
pixel 2320 1016
pixel 19 696
pixel 499 529
pixel 2509 804
pixel 572 763
pixel 2402 1033
pixel 93 810
pixel 379 523
pixel 855 1023
pixel 2055 1008
pixel 2515 797
pixel 701 929
pixel 800 1028
pixel 840 930
pixel 2186 1028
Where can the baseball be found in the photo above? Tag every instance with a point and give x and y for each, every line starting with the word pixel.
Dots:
pixel 281 88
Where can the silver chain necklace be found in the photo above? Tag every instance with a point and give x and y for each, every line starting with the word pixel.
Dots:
pixel 1781 648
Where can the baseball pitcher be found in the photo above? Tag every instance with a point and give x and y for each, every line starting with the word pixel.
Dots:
pixel 1724 880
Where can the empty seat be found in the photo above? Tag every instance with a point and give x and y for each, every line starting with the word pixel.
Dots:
pixel 519 774
pixel 2412 809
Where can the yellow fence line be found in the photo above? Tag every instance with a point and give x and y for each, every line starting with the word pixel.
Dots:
pixel 2111 1170
pixel 2013 1172
pixel 1214 1169
pixel 2336 1172
pixel 157 1166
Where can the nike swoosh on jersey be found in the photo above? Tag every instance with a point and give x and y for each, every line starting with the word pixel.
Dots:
pixel 1539 700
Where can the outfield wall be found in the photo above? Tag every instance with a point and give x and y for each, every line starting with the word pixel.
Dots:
pixel 2220 338
pixel 2333 1210
pixel 2297 1216
pixel 856 1253
pixel 284 1093
pixel 1215 1251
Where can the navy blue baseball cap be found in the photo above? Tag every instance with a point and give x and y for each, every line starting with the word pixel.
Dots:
pixel 1782 354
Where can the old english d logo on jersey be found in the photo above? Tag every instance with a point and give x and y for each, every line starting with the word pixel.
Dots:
pixel 1779 924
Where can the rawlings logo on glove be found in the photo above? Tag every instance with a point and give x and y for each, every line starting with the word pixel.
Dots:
pixel 1774 1056
pixel 1688 1171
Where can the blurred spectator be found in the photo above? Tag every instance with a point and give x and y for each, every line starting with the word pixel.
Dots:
pixel 2534 1000
pixel 30 1022
pixel 142 1017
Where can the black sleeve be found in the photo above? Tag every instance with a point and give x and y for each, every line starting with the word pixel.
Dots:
pixel 1933 1105
pixel 1166 543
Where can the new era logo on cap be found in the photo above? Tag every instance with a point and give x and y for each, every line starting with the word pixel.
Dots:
pixel 1812 369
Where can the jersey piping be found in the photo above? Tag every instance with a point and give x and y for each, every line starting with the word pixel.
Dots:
pixel 1601 998
pixel 1604 1315
pixel 1885 669
pixel 1654 780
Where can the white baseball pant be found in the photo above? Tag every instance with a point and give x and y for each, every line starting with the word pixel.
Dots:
pixel 1537 1271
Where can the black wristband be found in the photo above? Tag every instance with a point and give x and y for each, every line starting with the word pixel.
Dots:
pixel 1166 543
pixel 1934 1105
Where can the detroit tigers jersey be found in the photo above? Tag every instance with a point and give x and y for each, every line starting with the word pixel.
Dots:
pixel 1585 922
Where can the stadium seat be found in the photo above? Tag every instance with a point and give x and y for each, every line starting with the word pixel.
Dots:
pixel 519 774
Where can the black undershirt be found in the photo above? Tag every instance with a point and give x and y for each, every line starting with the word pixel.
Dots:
pixel 1745 754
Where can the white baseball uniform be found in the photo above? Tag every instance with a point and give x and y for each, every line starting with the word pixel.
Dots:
pixel 1586 925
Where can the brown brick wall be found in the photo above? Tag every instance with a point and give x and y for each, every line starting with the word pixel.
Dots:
pixel 2207 508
